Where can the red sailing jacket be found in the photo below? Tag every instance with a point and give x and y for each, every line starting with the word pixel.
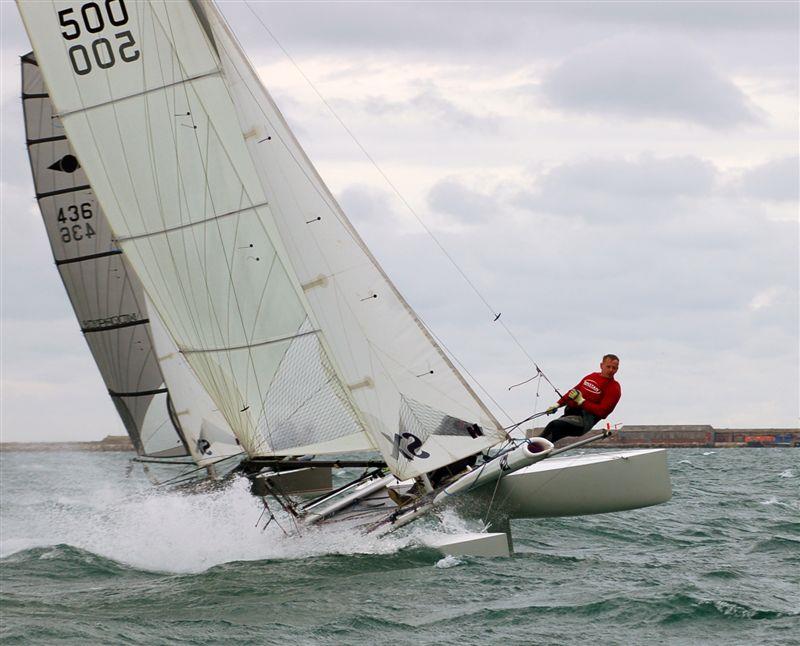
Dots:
pixel 600 394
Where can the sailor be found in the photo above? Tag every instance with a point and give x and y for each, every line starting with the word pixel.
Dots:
pixel 587 403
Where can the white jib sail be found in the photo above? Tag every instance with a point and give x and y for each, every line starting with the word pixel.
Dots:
pixel 166 117
pixel 109 301
pixel 204 427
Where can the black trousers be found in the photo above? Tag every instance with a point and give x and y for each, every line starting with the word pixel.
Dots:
pixel 573 423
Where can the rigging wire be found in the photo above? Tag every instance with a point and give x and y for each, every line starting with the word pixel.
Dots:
pixel 495 314
pixel 189 475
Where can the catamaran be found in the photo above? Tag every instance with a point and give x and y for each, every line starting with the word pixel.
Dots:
pixel 267 292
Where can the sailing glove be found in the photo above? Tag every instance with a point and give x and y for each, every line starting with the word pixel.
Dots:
pixel 575 396
pixel 552 409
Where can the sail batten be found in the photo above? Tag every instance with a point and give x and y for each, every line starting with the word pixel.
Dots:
pixel 122 99
pixel 195 223
pixel 63 191
pixel 113 326
pixel 41 140
pixel 139 393
pixel 250 345
pixel 88 257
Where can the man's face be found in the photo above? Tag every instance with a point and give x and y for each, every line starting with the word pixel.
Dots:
pixel 609 367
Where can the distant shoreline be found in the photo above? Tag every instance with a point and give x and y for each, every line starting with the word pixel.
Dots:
pixel 118 443
pixel 670 437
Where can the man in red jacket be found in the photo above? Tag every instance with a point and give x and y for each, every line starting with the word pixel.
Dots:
pixel 590 401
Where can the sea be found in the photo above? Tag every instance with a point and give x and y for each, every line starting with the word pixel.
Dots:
pixel 94 551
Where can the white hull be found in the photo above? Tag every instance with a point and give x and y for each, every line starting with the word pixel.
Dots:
pixel 594 483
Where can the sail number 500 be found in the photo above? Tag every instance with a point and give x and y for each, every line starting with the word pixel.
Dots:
pixel 93 20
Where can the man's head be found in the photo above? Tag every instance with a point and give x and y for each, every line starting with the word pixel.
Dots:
pixel 609 366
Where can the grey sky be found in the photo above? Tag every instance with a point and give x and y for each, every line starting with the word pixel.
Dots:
pixel 614 177
pixel 630 76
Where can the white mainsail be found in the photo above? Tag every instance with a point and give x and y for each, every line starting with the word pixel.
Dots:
pixel 109 302
pixel 288 321
pixel 106 296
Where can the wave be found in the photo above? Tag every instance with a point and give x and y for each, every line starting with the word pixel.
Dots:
pixel 792 527
pixel 725 575
pixel 688 608
pixel 61 561
pixel 777 502
pixel 669 609
pixel 778 544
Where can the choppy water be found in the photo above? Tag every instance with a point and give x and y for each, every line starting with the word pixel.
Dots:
pixel 92 555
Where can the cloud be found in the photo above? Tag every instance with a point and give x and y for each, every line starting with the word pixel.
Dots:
pixel 648 78
pixel 466 205
pixel 431 105
pixel 777 180
pixel 660 250
pixel 767 298
pixel 373 211
pixel 475 30
pixel 620 189
pixel 365 204
pixel 702 16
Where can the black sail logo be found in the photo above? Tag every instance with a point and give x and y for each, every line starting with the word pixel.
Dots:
pixel 67 164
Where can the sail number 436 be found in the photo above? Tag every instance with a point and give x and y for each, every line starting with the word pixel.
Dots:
pixel 92 18
pixel 75 232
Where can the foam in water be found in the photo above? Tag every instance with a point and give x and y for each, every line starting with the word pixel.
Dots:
pixel 448 562
pixel 170 531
